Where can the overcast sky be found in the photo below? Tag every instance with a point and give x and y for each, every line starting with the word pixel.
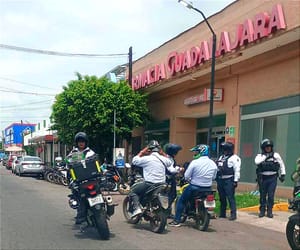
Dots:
pixel 29 81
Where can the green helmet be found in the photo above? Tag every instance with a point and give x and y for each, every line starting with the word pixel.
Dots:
pixel 200 150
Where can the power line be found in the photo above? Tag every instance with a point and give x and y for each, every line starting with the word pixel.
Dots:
pixel 25 83
pixel 26 109
pixel 26 93
pixel 25 104
pixel 56 53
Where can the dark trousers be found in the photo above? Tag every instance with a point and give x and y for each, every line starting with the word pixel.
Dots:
pixel 267 191
pixel 187 195
pixel 137 192
pixel 172 192
pixel 226 192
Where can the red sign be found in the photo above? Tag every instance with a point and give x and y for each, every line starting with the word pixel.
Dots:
pixel 249 31
pixel 218 96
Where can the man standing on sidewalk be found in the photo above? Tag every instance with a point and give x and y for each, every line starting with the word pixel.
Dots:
pixel 269 167
pixel 229 165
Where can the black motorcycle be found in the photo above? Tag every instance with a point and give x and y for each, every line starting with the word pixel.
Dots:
pixel 88 183
pixel 200 208
pixel 115 182
pixel 293 225
pixel 154 205
pixel 57 174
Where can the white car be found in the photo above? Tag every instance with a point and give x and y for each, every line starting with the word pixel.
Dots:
pixel 30 165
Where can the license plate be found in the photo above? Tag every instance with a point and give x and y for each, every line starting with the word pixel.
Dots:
pixel 209 203
pixel 95 200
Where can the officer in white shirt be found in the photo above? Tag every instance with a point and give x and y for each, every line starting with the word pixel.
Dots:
pixel 200 174
pixel 269 167
pixel 154 163
pixel 229 165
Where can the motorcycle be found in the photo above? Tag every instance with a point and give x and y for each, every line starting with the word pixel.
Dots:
pixel 115 182
pixel 89 186
pixel 154 205
pixel 293 225
pixel 200 208
pixel 57 174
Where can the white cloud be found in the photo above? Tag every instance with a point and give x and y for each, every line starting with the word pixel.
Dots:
pixel 81 26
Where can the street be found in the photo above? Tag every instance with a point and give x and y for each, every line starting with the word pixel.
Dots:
pixel 35 215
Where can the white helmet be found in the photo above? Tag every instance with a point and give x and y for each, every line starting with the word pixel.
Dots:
pixel 58 159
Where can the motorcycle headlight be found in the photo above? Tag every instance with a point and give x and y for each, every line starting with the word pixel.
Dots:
pixel 164 201
pixel 73 203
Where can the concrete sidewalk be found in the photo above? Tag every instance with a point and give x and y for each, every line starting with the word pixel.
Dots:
pixel 277 223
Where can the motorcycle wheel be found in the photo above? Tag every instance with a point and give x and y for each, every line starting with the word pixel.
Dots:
pixel 49 177
pixel 63 181
pixel 158 222
pixel 202 219
pixel 102 225
pixel 123 188
pixel 127 213
pixel 293 234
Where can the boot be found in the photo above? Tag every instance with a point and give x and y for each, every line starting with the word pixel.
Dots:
pixel 232 216
pixel 261 213
pixel 269 213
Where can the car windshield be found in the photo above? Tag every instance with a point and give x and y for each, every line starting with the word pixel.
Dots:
pixel 31 158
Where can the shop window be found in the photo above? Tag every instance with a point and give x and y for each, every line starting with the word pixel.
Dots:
pixel 282 129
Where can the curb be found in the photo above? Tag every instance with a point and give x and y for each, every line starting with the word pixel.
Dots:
pixel 277 207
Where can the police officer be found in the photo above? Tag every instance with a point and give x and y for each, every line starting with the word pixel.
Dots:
pixel 172 150
pixel 229 165
pixel 269 167
pixel 80 152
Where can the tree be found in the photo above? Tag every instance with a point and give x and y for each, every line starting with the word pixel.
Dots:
pixel 88 105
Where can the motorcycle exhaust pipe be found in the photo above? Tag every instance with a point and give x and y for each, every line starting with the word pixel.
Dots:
pixel 108 199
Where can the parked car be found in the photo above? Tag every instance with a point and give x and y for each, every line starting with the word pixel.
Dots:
pixel 9 161
pixel 5 160
pixel 14 163
pixel 30 165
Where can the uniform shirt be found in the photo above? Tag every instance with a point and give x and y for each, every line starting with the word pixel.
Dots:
pixel 262 157
pixel 86 153
pixel 201 172
pixel 153 169
pixel 234 162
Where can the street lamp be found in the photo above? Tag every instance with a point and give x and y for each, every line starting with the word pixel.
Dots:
pixel 212 79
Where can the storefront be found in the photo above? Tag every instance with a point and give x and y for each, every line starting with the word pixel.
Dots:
pixel 257 84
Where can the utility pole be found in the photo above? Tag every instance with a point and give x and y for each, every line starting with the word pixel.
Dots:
pixel 130 66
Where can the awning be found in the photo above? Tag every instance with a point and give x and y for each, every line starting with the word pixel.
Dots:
pixel 13 149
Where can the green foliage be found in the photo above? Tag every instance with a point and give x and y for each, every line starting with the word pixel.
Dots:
pixel 242 200
pixel 88 103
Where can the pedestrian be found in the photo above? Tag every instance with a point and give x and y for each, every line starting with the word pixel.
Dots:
pixel 228 176
pixel 172 150
pixel 200 174
pixel 80 152
pixel 269 167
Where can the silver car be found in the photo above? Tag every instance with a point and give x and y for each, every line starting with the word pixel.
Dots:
pixel 30 165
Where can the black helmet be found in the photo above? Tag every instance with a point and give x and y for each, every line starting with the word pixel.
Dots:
pixel 154 146
pixel 172 149
pixel 81 136
pixel 266 143
pixel 228 147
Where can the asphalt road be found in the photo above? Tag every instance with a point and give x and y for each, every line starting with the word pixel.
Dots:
pixel 35 215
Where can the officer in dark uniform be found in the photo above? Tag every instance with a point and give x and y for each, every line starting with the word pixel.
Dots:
pixel 228 175
pixel 172 149
pixel 269 167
